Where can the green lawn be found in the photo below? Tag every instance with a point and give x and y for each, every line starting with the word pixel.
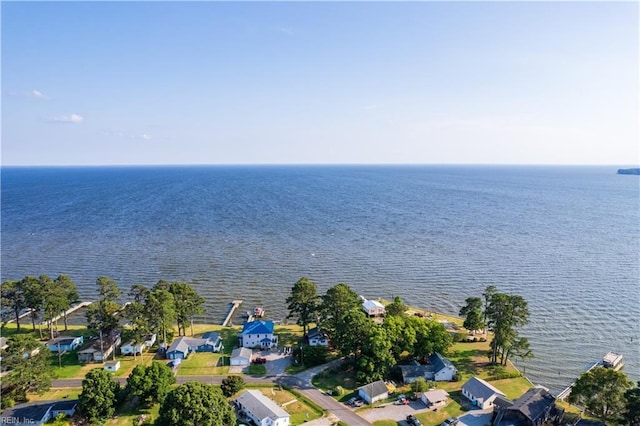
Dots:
pixel 435 418
pixel 203 364
pixel 257 370
pixel 299 410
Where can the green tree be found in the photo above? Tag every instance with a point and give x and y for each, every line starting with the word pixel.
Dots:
pixel 396 308
pixel 601 392
pixel 336 303
pixel 138 323
pixel 488 293
pixel 196 404
pixel 505 312
pixel 29 370
pixel 102 315
pixel 351 333
pixel 188 304
pixel 160 311
pixel 631 413
pixel 99 396
pixel 375 355
pixel 431 336
pixel 69 290
pixel 12 299
pixel 303 302
pixel 473 314
pixel 401 334
pixel 232 385
pixel 151 384
pixel 420 385
pixel 54 301
pixel 33 297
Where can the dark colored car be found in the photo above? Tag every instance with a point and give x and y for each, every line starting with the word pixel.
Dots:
pixel 412 420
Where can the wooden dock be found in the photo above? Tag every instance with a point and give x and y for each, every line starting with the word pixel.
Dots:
pixel 70 310
pixel 235 304
pixel 610 360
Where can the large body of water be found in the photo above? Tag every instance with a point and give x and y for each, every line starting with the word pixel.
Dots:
pixel 565 238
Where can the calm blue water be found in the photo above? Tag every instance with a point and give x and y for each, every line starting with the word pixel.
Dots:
pixel 565 238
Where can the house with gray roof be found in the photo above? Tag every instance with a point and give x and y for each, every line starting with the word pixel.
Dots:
pixel 373 392
pixel 65 343
pixel 38 413
pixel 255 406
pixel 437 368
pixel 183 346
pixel 481 393
pixel 241 356
pixel 535 408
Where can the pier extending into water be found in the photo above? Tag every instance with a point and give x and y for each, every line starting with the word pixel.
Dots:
pixel 610 360
pixel 235 304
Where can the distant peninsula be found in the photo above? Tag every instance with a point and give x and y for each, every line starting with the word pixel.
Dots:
pixel 629 171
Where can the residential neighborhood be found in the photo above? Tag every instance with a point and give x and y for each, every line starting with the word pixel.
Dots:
pixel 292 377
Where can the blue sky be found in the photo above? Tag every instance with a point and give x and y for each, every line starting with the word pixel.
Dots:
pixel 319 82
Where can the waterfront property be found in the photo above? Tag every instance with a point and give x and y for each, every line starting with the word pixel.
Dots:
pixel 183 346
pixel 99 350
pixel 317 337
pixel 258 334
pixel 65 343
pixel 535 408
pixel 437 368
pixel 131 348
pixel 254 405
pixel 372 308
pixel 480 393
pixel 373 392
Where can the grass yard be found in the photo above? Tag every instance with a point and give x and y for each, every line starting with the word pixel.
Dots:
pixel 300 412
pixel 53 394
pixel 202 364
pixel 435 418
pixel 334 378
pixel 127 415
pixel 257 370
pixel 385 423
pixel 513 388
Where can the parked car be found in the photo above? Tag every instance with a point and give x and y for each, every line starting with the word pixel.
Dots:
pixel 451 421
pixel 412 420
pixel 259 360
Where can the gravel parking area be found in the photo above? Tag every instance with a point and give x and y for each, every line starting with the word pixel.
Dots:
pixel 393 411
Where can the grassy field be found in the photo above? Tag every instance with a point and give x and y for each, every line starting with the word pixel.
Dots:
pixel 203 364
pixel 300 412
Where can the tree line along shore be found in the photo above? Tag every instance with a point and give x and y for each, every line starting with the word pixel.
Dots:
pixel 371 346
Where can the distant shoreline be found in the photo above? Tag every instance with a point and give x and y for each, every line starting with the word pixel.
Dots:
pixel 633 171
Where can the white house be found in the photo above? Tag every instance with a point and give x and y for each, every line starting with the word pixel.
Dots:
pixel 373 308
pixel 131 348
pixel 241 356
pixel 112 366
pixel 38 414
pixel 258 334
pixel 480 393
pixel 65 343
pixel 373 392
pixel 317 337
pixel 255 406
pixel 434 397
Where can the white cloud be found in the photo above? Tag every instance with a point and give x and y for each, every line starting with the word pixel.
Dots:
pixel 73 118
pixel 146 137
pixel 36 94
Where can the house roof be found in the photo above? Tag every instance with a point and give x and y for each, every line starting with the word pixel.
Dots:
pixel 533 404
pixel 502 402
pixel 181 344
pixel 241 352
pixel 375 389
pixel 261 406
pixel 436 395
pixel 63 340
pixel 480 389
pixel 317 332
pixel 111 363
pixel 65 405
pixel 415 369
pixel 211 335
pixel 372 304
pixel 258 327
pixel 439 362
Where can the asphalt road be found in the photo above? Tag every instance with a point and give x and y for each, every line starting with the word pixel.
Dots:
pixel 301 382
